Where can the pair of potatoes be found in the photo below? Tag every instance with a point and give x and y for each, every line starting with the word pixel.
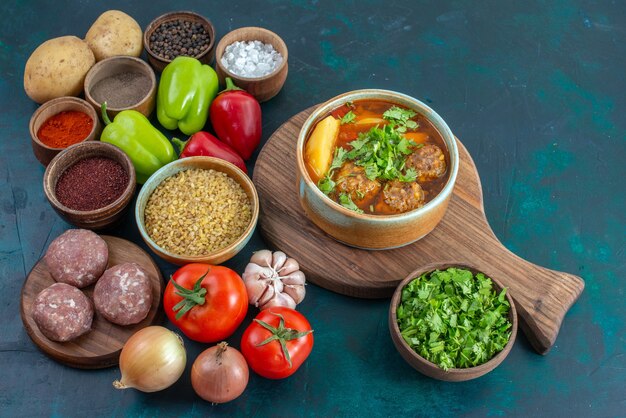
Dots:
pixel 58 66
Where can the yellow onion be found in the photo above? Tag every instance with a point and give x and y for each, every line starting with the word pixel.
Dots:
pixel 152 359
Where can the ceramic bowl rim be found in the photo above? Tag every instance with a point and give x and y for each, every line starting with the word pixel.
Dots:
pixel 277 70
pixel 149 186
pixel 389 95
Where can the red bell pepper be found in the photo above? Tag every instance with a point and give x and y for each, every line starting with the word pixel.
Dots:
pixel 236 119
pixel 205 144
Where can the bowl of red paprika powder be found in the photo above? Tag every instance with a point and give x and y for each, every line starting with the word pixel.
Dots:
pixel 90 184
pixel 62 122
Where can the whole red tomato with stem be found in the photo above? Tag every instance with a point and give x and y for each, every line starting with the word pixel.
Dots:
pixel 236 118
pixel 207 303
pixel 277 342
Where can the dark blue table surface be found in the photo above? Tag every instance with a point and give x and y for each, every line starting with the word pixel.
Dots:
pixel 535 91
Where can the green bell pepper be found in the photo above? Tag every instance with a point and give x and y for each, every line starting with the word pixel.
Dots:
pixel 186 90
pixel 144 144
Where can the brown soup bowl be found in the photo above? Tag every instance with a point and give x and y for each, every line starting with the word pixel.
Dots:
pixel 368 231
pixel 428 368
pixel 92 219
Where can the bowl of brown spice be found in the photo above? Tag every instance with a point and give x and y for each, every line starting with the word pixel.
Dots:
pixel 90 184
pixel 59 123
pixel 197 210
pixel 124 83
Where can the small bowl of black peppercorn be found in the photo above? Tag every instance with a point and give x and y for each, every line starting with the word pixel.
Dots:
pixel 179 33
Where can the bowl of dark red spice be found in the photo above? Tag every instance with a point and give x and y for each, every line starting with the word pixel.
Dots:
pixel 179 33
pixel 123 83
pixel 90 184
pixel 59 123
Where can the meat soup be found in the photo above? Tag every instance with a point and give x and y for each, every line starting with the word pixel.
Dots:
pixel 375 157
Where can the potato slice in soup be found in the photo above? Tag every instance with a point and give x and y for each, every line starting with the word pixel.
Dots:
pixel 319 147
pixel 417 137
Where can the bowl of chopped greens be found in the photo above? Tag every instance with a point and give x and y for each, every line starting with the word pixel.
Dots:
pixel 452 322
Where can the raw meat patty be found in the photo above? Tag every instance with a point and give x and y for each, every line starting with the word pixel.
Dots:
pixel 62 312
pixel 77 257
pixel 123 295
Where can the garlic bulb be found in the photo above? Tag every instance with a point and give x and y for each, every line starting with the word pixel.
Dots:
pixel 273 279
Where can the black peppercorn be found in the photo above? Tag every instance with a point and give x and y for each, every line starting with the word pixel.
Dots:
pixel 179 37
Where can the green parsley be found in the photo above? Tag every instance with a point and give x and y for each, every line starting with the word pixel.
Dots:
pixel 346 201
pixel 381 152
pixel 400 118
pixel 348 118
pixel 454 318
pixel 326 184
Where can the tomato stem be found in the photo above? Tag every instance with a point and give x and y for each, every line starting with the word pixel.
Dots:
pixel 191 297
pixel 282 335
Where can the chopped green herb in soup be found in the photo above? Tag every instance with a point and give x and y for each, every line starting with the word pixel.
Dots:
pixel 375 157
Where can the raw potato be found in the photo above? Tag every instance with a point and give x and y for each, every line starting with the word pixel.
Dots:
pixel 57 68
pixel 114 33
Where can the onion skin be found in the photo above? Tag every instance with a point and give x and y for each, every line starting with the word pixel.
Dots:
pixel 220 374
pixel 152 359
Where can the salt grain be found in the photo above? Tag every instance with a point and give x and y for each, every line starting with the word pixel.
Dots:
pixel 251 59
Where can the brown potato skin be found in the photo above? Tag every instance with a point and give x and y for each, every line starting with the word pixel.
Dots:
pixel 57 68
pixel 114 33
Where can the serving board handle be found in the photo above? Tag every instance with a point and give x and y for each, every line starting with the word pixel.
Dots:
pixel 542 296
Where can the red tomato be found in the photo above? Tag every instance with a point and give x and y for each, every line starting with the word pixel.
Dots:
pixel 212 308
pixel 293 333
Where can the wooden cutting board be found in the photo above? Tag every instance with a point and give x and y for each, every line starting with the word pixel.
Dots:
pixel 542 296
pixel 100 347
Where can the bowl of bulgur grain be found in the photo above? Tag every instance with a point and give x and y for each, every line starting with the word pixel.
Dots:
pixel 197 210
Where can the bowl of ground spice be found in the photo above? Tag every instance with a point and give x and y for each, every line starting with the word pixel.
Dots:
pixel 90 184
pixel 59 123
pixel 179 33
pixel 197 210
pixel 255 58
pixel 124 83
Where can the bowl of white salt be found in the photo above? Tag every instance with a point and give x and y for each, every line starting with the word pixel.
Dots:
pixel 255 59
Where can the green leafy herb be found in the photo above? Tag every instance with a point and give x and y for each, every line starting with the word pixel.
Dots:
pixel 454 318
pixel 409 176
pixel 326 184
pixel 346 201
pixel 381 152
pixel 400 118
pixel 348 118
